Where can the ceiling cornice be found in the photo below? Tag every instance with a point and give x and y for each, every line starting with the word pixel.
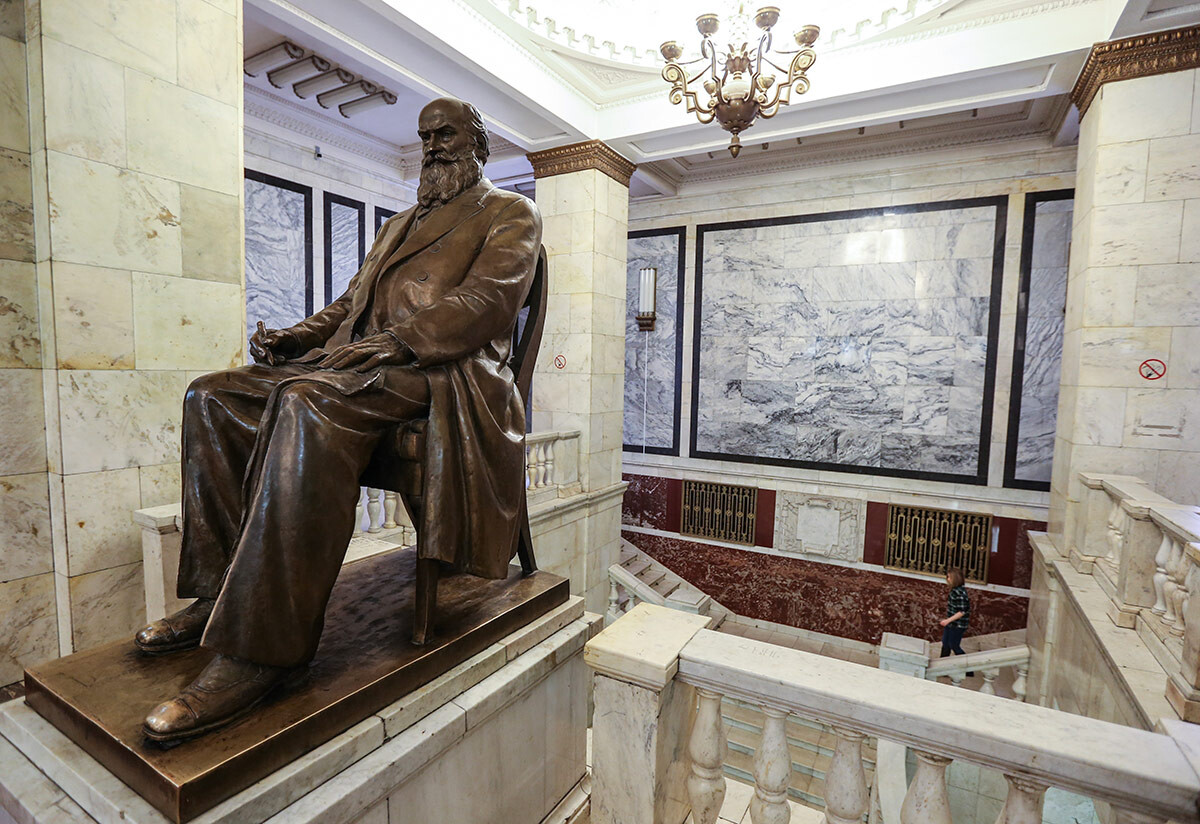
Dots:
pixel 590 154
pixel 296 118
pixel 1143 55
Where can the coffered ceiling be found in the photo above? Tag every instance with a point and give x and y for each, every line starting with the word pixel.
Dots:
pixel 889 75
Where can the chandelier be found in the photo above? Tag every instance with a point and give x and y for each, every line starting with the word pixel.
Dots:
pixel 740 84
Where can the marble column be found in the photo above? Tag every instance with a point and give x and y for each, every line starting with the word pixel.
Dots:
pixel 583 194
pixel 1132 292
pixel 130 281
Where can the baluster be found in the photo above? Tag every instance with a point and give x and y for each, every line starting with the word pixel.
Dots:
pixel 1160 575
pixel 530 469
pixel 1024 802
pixel 706 748
pixel 614 600
pixel 1115 518
pixel 772 771
pixel 956 678
pixel 926 801
pixel 989 681
pixel 373 508
pixel 358 510
pixel 846 796
pixel 1173 564
pixel 549 463
pixel 1019 683
pixel 1181 596
pixel 541 465
pixel 390 502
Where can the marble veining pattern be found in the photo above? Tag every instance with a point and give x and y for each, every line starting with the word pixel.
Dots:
pixel 277 281
pixel 857 342
pixel 1043 340
pixel 345 229
pixel 650 367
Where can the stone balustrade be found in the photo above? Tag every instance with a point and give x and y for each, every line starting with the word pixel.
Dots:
pixel 551 465
pixel 660 675
pixel 912 656
pixel 1144 551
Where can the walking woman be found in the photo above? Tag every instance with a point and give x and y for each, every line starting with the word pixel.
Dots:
pixel 958 614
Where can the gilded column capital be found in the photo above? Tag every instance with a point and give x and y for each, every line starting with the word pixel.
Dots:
pixel 578 157
pixel 1131 57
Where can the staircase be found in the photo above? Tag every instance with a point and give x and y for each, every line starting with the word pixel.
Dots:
pixel 637 577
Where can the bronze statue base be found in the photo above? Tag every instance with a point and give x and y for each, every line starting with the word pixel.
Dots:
pixel 366 661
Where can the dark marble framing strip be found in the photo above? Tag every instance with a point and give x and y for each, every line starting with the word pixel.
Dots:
pixel 382 214
pixel 673 450
pixel 1028 228
pixel 980 478
pixel 360 207
pixel 307 192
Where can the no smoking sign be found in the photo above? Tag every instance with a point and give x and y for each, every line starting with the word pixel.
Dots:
pixel 1152 369
pixel 560 362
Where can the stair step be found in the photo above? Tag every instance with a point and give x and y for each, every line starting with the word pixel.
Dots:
pixel 665 586
pixel 637 566
pixel 651 575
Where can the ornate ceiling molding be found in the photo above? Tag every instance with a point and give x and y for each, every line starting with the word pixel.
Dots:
pixel 298 119
pixel 578 157
pixel 1142 56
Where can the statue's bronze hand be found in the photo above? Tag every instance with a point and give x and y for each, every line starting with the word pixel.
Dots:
pixel 378 350
pixel 271 346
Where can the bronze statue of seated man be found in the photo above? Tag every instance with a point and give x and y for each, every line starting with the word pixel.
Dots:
pixel 273 452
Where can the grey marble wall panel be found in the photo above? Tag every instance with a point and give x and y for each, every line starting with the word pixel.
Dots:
pixel 651 371
pixel 343 233
pixel 1048 234
pixel 856 341
pixel 278 254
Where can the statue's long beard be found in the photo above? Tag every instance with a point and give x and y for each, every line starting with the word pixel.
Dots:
pixel 444 179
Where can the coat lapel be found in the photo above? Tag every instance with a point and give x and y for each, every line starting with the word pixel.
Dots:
pixel 440 221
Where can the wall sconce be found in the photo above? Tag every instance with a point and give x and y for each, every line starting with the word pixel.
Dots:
pixel 647 299
pixel 271 58
pixel 344 94
pixel 299 70
pixel 380 98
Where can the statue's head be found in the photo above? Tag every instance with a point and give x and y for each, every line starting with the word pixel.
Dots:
pixel 454 146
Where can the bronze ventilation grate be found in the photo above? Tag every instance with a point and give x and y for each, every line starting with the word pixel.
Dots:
pixel 721 511
pixel 931 541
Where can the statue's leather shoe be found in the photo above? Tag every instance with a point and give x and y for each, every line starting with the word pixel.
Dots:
pixel 227 689
pixel 176 632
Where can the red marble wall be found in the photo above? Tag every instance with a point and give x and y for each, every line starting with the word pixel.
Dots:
pixel 851 603
pixel 656 503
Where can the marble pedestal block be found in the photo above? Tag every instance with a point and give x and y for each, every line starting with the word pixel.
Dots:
pixel 500 738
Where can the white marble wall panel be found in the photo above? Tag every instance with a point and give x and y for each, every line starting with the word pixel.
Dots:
pixel 856 341
pixel 278 255
pixel 343 246
pixel 820 525
pixel 651 374
pixel 1044 323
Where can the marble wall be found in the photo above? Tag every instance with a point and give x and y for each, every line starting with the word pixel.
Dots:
pixel 1037 364
pixel 837 600
pixel 345 243
pixel 279 252
pixel 652 358
pixel 856 340
pixel 120 277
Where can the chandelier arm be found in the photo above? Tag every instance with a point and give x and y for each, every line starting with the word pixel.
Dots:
pixel 680 91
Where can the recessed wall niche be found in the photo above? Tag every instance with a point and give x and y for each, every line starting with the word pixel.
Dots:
pixel 860 341
pixel 653 359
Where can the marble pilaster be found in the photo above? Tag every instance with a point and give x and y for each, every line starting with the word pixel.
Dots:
pixel 583 195
pixel 1131 276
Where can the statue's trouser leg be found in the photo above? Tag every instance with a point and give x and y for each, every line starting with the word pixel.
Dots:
pixel 302 486
pixel 221 414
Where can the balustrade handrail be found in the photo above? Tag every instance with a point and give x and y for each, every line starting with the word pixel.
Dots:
pixel 980 660
pixel 1132 769
pixel 552 435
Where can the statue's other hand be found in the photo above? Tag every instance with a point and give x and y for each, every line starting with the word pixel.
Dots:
pixel 271 346
pixel 378 350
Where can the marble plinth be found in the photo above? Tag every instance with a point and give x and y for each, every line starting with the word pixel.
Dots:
pixel 366 660
pixel 498 739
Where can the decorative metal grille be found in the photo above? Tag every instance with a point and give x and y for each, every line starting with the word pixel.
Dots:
pixel 721 511
pixel 933 540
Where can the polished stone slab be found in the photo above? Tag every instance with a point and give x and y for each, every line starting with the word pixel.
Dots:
pixel 365 662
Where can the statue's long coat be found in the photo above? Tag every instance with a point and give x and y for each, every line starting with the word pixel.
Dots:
pixel 459 279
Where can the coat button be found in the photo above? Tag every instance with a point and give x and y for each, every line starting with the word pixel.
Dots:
pixel 423 276
pixel 437 247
